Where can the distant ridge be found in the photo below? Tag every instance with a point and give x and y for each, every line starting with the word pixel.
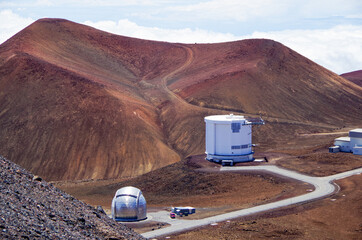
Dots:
pixel 355 77
pixel 80 103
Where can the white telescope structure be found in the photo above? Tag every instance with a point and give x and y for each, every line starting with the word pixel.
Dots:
pixel 228 138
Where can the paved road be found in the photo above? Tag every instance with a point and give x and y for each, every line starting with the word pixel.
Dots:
pixel 323 187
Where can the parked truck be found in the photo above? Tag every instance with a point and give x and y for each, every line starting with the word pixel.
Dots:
pixel 183 211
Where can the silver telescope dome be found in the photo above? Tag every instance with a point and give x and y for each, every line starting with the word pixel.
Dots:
pixel 129 204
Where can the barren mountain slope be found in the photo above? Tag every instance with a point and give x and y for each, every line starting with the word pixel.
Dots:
pixel 79 103
pixel 64 115
pixel 355 77
pixel 263 76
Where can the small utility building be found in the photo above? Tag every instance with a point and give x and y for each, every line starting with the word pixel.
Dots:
pixel 352 143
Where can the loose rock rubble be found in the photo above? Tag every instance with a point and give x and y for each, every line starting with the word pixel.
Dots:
pixel 31 208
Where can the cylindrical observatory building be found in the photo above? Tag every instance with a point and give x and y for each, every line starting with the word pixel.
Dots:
pixel 228 138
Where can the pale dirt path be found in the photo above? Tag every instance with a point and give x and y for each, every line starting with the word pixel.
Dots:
pixel 324 186
pixel 189 60
pixel 321 134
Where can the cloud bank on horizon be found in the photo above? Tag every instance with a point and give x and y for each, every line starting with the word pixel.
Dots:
pixel 328 32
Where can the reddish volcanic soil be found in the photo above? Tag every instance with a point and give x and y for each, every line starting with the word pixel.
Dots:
pixel 355 77
pixel 78 103
pixel 263 76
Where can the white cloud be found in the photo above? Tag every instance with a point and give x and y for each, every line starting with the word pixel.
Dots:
pixel 238 10
pixel 338 49
pixel 259 10
pixel 83 3
pixel 186 35
pixel 326 8
pixel 44 3
pixel 11 23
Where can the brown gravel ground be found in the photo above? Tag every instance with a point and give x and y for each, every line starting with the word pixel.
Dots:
pixel 322 163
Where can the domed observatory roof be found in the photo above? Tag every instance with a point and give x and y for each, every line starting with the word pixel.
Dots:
pixel 129 204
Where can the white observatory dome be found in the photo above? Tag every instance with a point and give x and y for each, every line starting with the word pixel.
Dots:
pixel 228 138
pixel 129 204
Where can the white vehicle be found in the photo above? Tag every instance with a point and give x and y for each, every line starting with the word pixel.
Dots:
pixel 183 211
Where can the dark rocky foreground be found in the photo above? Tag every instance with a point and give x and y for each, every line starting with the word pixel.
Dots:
pixel 31 208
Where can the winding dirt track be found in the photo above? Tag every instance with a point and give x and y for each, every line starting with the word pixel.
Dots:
pixel 189 60
pixel 173 96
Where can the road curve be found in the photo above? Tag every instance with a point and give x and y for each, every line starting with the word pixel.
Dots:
pixel 189 60
pixel 323 187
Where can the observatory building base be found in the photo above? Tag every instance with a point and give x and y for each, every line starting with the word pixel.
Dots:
pixel 129 219
pixel 230 158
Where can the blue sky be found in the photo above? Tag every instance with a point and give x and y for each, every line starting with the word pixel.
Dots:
pixel 328 32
